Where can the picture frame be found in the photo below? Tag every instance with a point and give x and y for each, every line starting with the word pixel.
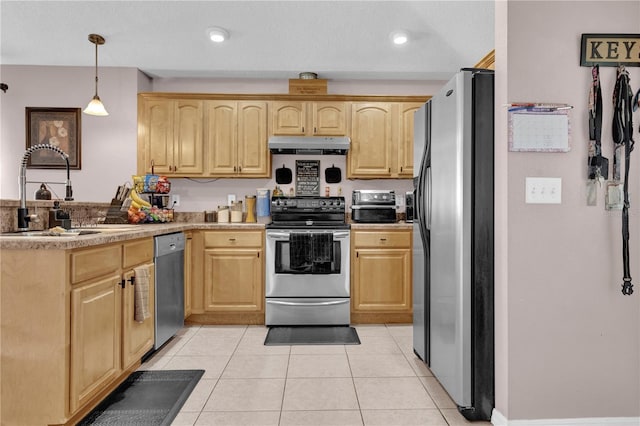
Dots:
pixel 59 127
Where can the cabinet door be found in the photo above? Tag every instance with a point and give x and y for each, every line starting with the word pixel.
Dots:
pixel 405 139
pixel 329 118
pixel 95 338
pixel 158 115
pixel 233 280
pixel 221 118
pixel 188 141
pixel 381 280
pixel 288 118
pixel 254 159
pixel 370 153
pixel 137 338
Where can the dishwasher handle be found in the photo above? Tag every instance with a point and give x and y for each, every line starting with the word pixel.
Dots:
pixel 169 243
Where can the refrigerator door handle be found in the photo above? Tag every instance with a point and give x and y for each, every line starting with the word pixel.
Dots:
pixel 428 198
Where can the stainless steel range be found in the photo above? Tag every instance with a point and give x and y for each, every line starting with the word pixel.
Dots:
pixel 307 257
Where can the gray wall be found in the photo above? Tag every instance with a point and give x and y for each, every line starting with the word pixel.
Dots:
pixel 568 341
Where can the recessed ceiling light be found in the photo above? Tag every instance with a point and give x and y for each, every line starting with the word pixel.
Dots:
pixel 399 37
pixel 218 34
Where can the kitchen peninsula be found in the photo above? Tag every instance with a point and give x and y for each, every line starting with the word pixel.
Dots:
pixel 68 334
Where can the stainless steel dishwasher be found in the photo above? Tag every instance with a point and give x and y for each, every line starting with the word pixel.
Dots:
pixel 169 279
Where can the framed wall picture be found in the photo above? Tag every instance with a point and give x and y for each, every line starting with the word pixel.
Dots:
pixel 59 127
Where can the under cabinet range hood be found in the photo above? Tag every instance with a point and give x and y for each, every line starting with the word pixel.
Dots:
pixel 309 145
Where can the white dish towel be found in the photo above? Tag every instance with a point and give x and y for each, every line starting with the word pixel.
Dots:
pixel 141 294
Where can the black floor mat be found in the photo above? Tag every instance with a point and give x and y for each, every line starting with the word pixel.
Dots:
pixel 146 398
pixel 342 335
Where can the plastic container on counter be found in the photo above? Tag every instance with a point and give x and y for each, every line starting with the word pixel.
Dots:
pixel 263 202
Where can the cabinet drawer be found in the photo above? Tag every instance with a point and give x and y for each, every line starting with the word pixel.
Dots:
pixel 92 263
pixel 137 252
pixel 233 239
pixel 381 239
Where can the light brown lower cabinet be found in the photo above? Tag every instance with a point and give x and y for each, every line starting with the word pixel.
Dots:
pixel 381 276
pixel 69 336
pixel 232 274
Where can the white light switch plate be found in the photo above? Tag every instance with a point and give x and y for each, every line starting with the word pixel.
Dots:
pixel 543 190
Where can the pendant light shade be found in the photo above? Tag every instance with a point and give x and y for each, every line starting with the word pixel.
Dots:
pixel 96 107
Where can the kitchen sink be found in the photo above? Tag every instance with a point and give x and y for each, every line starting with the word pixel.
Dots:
pixel 46 233
pixel 107 228
pixel 73 232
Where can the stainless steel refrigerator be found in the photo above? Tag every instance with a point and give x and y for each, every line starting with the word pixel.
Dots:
pixel 453 249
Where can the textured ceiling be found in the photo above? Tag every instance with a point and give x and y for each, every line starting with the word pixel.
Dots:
pixel 269 39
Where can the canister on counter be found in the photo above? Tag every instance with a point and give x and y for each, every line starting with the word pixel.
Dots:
pixel 250 203
pixel 236 211
pixel 223 214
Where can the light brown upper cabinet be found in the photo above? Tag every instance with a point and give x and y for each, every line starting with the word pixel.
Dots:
pixel 371 140
pixel 236 139
pixel 381 140
pixel 170 137
pixel 406 111
pixel 297 118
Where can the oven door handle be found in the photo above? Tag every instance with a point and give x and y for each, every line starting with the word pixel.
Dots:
pixel 285 235
pixel 327 303
pixel 338 235
pixel 278 235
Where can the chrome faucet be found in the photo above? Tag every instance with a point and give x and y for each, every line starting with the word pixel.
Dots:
pixel 23 212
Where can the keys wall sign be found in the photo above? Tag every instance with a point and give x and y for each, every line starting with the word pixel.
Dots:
pixel 610 50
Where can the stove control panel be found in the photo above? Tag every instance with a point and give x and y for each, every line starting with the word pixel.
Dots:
pixel 307 204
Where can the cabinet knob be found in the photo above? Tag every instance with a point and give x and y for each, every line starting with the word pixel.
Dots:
pixel 239 168
pixel 302 129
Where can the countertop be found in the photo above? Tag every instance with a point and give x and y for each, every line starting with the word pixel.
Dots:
pixel 116 233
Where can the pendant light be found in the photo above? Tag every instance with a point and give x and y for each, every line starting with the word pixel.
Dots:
pixel 96 107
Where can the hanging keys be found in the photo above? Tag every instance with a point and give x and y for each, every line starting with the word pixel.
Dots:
pixel 592 192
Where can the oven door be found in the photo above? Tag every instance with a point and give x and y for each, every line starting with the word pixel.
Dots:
pixel 307 263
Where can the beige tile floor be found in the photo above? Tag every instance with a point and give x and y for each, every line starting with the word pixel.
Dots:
pixel 380 382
